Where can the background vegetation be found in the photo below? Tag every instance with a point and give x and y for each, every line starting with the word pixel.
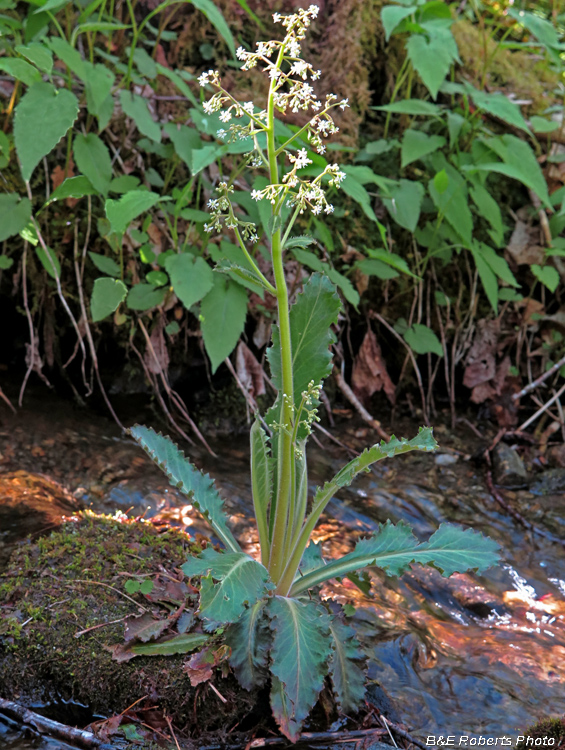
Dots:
pixel 446 242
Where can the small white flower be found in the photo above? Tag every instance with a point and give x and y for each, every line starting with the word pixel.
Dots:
pixel 225 116
pixel 316 75
pixel 293 48
pixel 242 54
pixel 274 73
pixel 299 68
pixel 249 107
pixel 302 159
pixel 321 149
pixel 221 133
pixel 344 103
pixel 203 79
pixel 256 195
pixel 329 208
pixel 276 17
pixel 316 210
pixel 208 107
pixel 313 10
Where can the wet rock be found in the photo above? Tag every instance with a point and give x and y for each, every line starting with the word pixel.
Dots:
pixel 30 504
pixel 556 456
pixel 509 469
pixel 550 482
pixel 446 459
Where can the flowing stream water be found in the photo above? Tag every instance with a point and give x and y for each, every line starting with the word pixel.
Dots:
pixel 469 655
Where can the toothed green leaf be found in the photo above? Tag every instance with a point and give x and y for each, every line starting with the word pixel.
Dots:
pixel 250 640
pixel 392 548
pixel 188 479
pixel 301 648
pixel 311 316
pixel 424 441
pixel 347 667
pixel 241 580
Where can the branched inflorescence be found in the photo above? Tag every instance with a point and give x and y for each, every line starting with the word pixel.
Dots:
pixel 291 90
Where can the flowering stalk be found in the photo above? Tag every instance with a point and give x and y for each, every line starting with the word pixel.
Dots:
pixel 289 89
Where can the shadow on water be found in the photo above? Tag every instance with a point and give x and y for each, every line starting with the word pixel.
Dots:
pixel 465 655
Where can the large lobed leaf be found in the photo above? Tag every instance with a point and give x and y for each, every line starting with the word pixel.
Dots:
pixel 450 549
pixel 250 640
pixel 311 317
pixel 241 581
pixel 300 652
pixel 188 479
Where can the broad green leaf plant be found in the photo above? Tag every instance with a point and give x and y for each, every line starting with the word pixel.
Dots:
pixel 269 611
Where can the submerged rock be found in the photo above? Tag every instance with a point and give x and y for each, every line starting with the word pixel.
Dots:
pixel 509 469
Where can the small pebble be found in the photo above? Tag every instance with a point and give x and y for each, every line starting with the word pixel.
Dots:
pixel 446 459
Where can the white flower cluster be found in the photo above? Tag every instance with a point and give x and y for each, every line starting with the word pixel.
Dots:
pixel 221 213
pixel 291 88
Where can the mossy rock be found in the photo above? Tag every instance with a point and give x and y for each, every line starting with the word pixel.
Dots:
pixel 547 732
pixel 60 586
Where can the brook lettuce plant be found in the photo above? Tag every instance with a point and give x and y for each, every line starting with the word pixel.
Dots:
pixel 276 625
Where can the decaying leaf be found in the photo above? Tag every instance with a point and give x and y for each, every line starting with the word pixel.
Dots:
pixel 144 628
pixel 156 356
pixel 369 371
pixel 165 646
pixel 524 247
pixel 481 360
pixel 491 381
pixel 167 590
pixel 262 332
pixel 199 667
pixel 249 371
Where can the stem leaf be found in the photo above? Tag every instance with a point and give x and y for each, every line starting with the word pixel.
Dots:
pixel 188 479
pixel 311 316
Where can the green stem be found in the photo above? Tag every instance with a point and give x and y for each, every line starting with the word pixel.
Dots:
pixel 254 266
pixel 399 82
pixel 285 464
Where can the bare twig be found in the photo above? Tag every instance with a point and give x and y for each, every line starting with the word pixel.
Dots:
pixel 543 220
pixel 175 398
pixel 518 516
pixel 538 381
pixel 248 397
pixel 100 625
pixel 544 408
pixel 55 729
pixel 32 349
pixel 89 338
pixel 403 733
pixel 107 586
pixel 412 358
pixel 157 392
pixel 59 288
pixel 7 401
pixel 354 401
pixel 315 737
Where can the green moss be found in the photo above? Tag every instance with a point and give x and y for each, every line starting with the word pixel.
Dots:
pixel 74 580
pixel 515 70
pixel 545 728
